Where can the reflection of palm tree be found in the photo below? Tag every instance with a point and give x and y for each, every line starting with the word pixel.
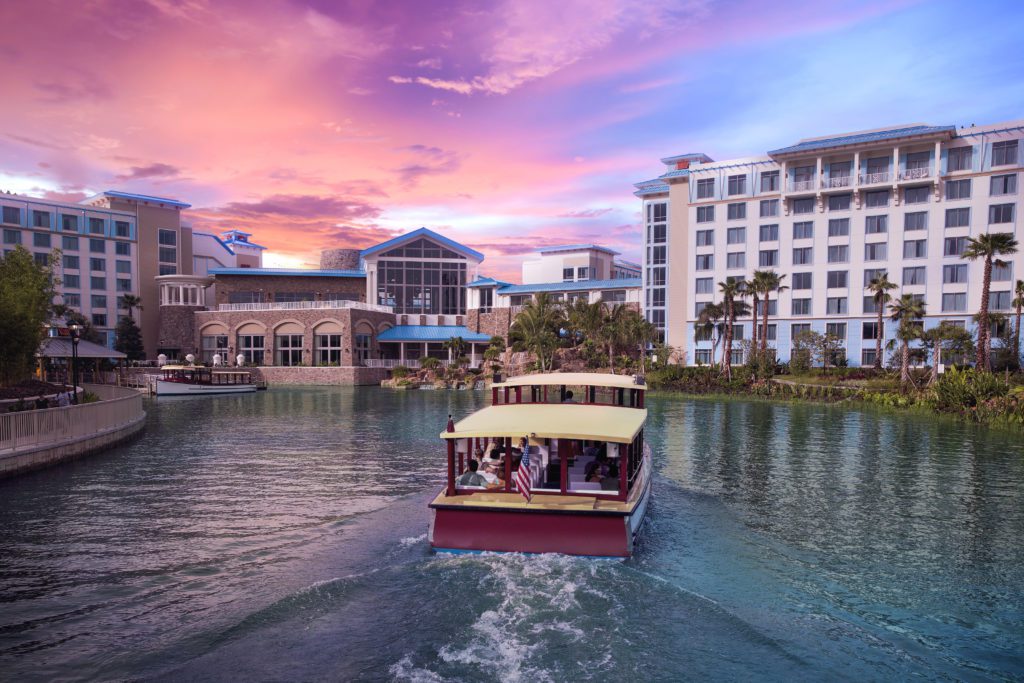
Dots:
pixel 907 311
pixel 537 326
pixel 989 247
pixel 879 286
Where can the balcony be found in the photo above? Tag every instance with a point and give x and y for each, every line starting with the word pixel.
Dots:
pixel 915 173
pixel 303 306
pixel 874 178
pixel 837 183
pixel 801 186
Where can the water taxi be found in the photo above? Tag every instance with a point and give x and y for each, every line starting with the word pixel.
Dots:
pixel 566 469
pixel 188 380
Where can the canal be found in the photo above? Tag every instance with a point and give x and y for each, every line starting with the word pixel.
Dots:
pixel 282 536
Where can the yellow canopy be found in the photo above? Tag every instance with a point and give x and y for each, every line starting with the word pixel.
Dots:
pixel 553 421
pixel 576 379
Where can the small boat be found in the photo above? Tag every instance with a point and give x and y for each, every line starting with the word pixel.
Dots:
pixel 188 380
pixel 540 493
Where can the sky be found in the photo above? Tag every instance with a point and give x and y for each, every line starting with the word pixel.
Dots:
pixel 505 125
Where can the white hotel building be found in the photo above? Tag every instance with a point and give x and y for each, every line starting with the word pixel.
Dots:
pixel 830 213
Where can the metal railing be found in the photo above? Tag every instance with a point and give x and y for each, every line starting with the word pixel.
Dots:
pixel 874 178
pixel 34 428
pixel 801 185
pixel 303 306
pixel 837 181
pixel 915 173
pixel 389 363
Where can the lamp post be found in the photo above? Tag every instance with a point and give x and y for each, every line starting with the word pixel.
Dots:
pixel 76 333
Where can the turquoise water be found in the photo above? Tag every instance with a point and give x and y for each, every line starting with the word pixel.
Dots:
pixel 282 536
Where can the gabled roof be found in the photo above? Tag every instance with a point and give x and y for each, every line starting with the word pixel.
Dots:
pixel 581 286
pixel 301 272
pixel 431 333
pixel 61 347
pixel 865 138
pixel 576 247
pixel 146 198
pixel 219 240
pixel 422 232
pixel 627 264
pixel 486 282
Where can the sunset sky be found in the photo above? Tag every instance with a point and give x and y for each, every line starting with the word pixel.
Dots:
pixel 506 125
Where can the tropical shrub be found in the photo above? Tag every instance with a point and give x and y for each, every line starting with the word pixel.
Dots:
pixel 399 371
pixel 958 390
pixel 430 363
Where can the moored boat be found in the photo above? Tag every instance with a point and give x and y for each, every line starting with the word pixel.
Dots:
pixel 562 472
pixel 187 380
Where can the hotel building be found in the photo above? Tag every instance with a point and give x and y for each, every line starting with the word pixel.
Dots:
pixel 830 214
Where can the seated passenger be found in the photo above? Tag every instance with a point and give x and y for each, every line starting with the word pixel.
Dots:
pixel 471 477
pixel 568 397
pixel 490 477
pixel 598 465
pixel 493 457
pixel 611 482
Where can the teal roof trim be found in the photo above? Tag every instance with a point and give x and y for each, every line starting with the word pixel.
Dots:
pixel 583 285
pixel 287 272
pixel 486 282
pixel 422 232
pixel 146 198
pixel 576 247
pixel 863 138
pixel 431 333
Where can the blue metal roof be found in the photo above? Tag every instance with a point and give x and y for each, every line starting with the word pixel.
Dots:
pixel 302 272
pixel 146 198
pixel 583 285
pixel 677 173
pixel 650 187
pixel 486 282
pixel 862 138
pixel 422 232
pixel 219 240
pixel 576 247
pixel 237 232
pixel 431 333
pixel 245 243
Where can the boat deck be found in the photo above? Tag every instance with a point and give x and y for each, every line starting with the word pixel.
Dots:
pixel 547 503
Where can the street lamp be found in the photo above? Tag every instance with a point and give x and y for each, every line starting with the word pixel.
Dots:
pixel 76 333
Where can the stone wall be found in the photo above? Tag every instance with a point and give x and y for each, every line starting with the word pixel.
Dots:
pixel 494 323
pixel 321 376
pixel 339 259
pixel 323 288
pixel 178 329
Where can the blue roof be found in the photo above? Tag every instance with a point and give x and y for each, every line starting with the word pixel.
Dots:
pixel 575 247
pixel 422 232
pixel 146 198
pixel 692 156
pixel 237 232
pixel 486 282
pixel 219 240
pixel 431 333
pixel 245 243
pixel 583 285
pixel 861 138
pixel 677 173
pixel 628 264
pixel 302 272
pixel 650 187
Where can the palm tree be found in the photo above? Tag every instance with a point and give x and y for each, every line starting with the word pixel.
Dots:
pixel 537 325
pixel 1018 305
pixel 584 319
pixel 612 331
pixel 906 311
pixel 455 346
pixel 989 246
pixel 731 289
pixel 879 287
pixel 753 286
pixel 945 337
pixel 637 333
pixel 708 323
pixel 769 282
pixel 130 302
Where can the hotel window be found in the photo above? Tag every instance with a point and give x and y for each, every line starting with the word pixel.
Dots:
pixel 245 297
pixel 656 297
pixel 770 181
pixel 656 318
pixel 737 184
pixel 838 227
pixel 123 248
pixel 915 221
pixel 802 280
pixel 705 261
pixel 124 285
pixel 1000 301
pixel 836 330
pixel 96 226
pixel 770 233
pixel 915 249
pixel 12 214
pixel 773 307
pixel 74 300
pixel 705 238
pixel 70 261
pixel 736 236
pixel 737 335
pixel 99 319
pixel 615 296
pixel 838 278
pixel 705 188
pixel 41 219
pixel 801 307
pixel 839 202
pixel 1003 184
pixel 915 195
pixel 768 258
pixel 737 259
pixel 959 159
pixel 840 172
pixel 870 305
pixel 769 207
pixel 41 239
pixel 704 285
pixel 838 253
pixel 835 305
pixel 656 276
pixel 876 252
pixel 1000 213
pixel 213 344
pixel 914 275
pixel 878 199
pixel 698 308
pixel 803 230
pixel 869 330
pixel 69 243
pixel 878 170
pixel 99 301
pixel 97 246
pixel 289 349
pixel 124 267
pixel 486 299
pixel 68 223
pixel 250 346
pixel 166 269
pixel 168 251
pixel 659 255
pixel 12 236
pixel 958 218
pixel 659 212
pixel 702 356
pixel 295 297
pixel 568 274
pixel 803 177
pixel 954 246
pixel 72 282
pixel 1002 273
pixel 802 206
pixel 867 357
pixel 583 273
pixel 42 259
pixel 362 348
pixel 705 214
pixel 736 212
pixel 122 229
pixel 958 189
pixel 1004 153
pixel 520 299
pixel 954 302
pixel 97 264
pixel 802 256
pixel 954 274
pixel 659 233
pixel 918 161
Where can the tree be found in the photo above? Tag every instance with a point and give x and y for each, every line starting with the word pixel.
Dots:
pixel 130 302
pixel 945 338
pixel 455 346
pixel 907 312
pixel 708 323
pixel 880 286
pixel 754 288
pixel 26 295
pixel 612 331
pixel 87 331
pixel 989 247
pixel 1018 306
pixel 731 289
pixel 537 326
pixel 584 320
pixel 637 333
pixel 128 338
pixel 766 282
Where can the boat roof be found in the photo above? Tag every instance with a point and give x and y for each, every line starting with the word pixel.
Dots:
pixel 576 379
pixel 553 421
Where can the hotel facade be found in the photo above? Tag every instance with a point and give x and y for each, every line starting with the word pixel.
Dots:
pixel 830 214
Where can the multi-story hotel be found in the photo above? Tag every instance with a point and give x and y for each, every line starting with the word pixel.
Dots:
pixel 830 214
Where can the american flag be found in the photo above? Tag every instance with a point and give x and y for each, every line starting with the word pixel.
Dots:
pixel 524 474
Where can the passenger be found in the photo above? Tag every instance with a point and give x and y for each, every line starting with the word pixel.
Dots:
pixel 64 398
pixel 611 482
pixel 568 397
pixel 471 477
pixel 599 466
pixel 490 476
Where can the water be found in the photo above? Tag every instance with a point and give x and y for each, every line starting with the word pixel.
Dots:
pixel 281 536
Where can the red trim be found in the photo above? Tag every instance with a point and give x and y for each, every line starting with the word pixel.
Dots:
pixel 451 467
pixel 508 463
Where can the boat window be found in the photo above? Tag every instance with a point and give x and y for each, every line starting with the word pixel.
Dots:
pixel 594 467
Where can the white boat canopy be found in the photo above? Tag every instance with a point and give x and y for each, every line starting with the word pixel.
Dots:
pixel 575 379
pixel 553 421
